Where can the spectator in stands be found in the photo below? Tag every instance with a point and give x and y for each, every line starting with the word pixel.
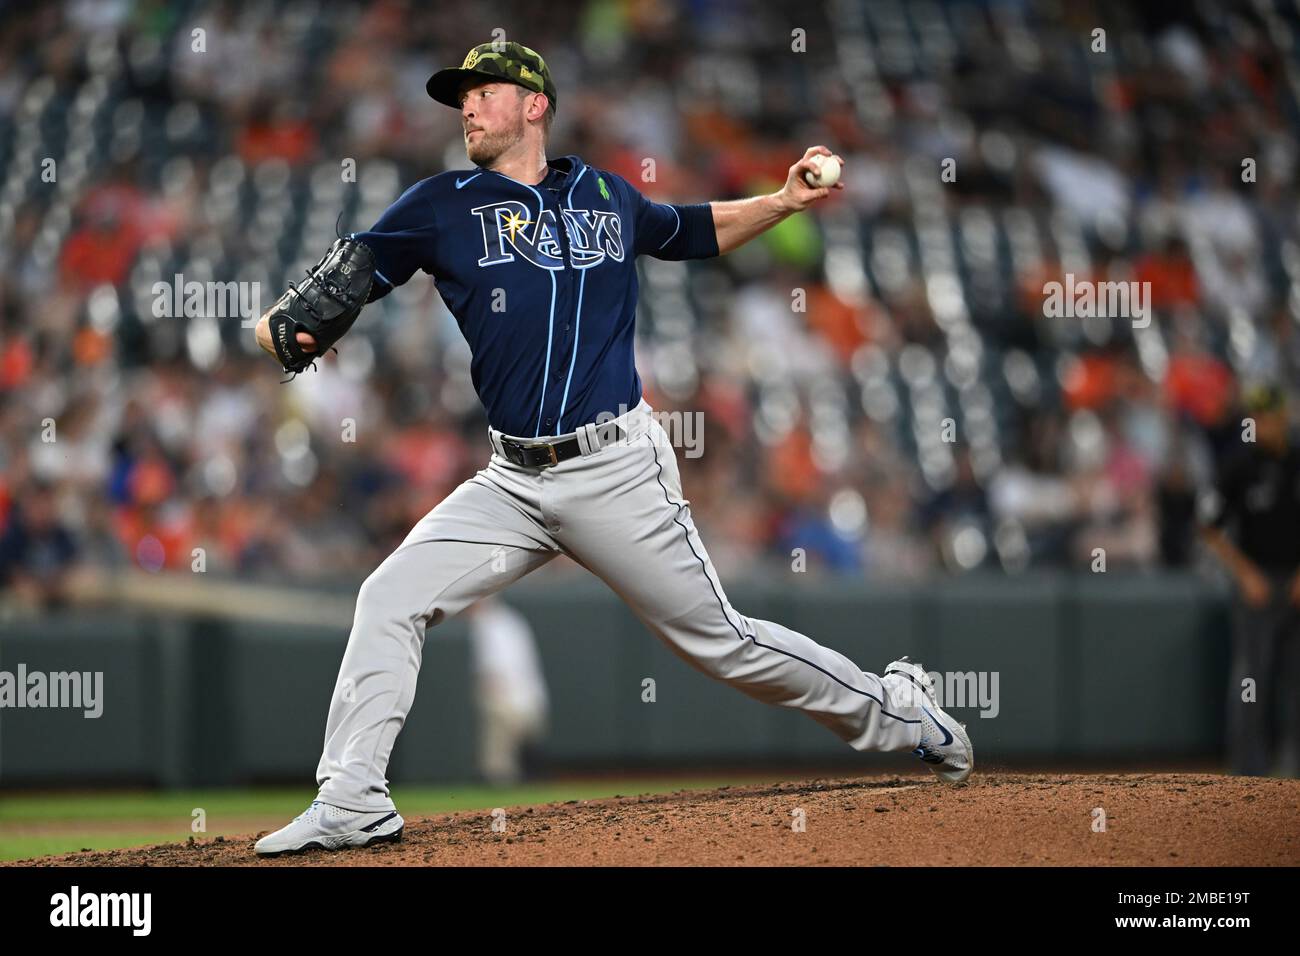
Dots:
pixel 1172 277
pixel 961 506
pixel 100 252
pixel 37 551
pixel 1176 508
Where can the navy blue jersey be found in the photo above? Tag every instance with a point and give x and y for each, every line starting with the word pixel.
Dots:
pixel 542 281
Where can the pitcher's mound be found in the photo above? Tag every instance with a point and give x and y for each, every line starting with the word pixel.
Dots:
pixel 998 819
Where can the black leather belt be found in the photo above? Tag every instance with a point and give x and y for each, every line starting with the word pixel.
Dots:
pixel 544 454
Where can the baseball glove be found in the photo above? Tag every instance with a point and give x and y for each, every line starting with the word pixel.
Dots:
pixel 325 304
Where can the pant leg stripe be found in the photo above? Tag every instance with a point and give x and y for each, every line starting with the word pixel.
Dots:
pixel 723 607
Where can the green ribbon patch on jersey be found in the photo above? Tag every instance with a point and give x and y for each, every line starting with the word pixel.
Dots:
pixel 604 191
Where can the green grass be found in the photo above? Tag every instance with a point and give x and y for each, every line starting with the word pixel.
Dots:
pixel 27 847
pixel 147 817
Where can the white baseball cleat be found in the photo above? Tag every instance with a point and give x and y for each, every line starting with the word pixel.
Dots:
pixel 944 745
pixel 323 826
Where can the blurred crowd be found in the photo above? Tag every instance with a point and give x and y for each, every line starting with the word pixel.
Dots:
pixel 881 391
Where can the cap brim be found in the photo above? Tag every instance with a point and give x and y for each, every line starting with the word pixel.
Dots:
pixel 444 86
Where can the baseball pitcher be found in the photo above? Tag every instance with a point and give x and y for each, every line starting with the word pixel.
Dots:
pixel 579 464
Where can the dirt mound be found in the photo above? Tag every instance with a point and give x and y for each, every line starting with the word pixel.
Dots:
pixel 993 819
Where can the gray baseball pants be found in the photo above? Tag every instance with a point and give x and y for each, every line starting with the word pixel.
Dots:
pixel 618 511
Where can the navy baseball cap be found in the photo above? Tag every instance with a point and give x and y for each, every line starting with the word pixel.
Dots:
pixel 498 60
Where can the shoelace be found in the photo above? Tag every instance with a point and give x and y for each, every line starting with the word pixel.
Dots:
pixel 926 749
pixel 309 809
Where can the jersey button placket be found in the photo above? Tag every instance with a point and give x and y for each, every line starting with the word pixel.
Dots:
pixel 566 346
pixel 555 384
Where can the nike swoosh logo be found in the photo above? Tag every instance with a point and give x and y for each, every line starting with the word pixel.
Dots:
pixel 371 827
pixel 461 182
pixel 938 723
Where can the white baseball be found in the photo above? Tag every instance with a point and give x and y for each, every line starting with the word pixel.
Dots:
pixel 828 171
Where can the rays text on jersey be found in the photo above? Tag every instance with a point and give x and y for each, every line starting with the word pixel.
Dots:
pixel 509 228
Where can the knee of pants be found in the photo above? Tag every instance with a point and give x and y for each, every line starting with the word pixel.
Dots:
pixel 719 654
pixel 383 599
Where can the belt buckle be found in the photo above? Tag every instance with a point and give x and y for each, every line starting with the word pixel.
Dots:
pixel 550 448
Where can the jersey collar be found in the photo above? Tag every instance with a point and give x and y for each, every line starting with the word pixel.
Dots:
pixel 563 171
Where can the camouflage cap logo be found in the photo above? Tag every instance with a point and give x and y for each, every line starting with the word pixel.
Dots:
pixel 509 61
